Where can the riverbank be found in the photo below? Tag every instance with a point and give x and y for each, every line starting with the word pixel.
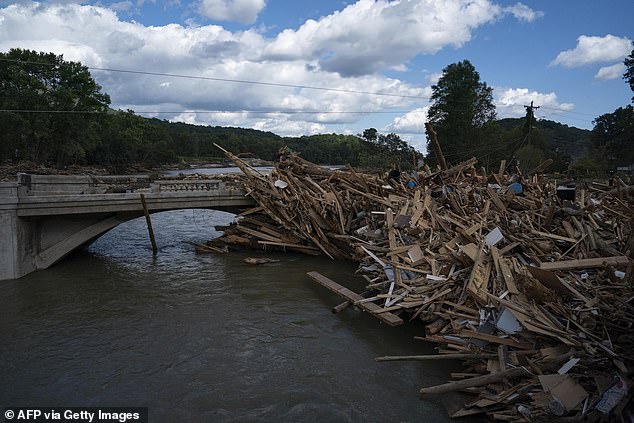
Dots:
pixel 8 171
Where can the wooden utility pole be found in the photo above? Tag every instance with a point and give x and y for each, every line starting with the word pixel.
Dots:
pixel 149 225
pixel 530 117
pixel 435 146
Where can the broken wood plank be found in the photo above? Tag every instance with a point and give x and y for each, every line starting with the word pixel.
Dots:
pixel 349 295
pixel 497 340
pixel 435 357
pixel 585 263
pixel 474 381
pixel 553 236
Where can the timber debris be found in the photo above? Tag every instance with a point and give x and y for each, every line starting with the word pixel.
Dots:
pixel 531 291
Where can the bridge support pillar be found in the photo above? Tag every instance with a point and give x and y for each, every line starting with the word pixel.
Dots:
pixel 36 243
pixel 16 246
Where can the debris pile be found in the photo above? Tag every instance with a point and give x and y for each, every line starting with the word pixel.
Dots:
pixel 532 291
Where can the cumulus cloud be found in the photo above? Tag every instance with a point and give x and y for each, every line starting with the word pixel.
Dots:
pixel 122 6
pixel 591 50
pixel 433 78
pixel 610 72
pixel 243 11
pixel 341 51
pixel 523 13
pixel 412 122
pixel 510 102
pixel 371 35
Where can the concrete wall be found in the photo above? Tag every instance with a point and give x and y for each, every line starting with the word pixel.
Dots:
pixel 16 246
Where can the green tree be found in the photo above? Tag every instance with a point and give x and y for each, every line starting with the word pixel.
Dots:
pixel 461 112
pixel 613 136
pixel 370 135
pixel 629 71
pixel 53 103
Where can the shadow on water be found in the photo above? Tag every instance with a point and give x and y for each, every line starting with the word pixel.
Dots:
pixel 204 337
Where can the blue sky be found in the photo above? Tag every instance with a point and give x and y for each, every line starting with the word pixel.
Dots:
pixel 564 55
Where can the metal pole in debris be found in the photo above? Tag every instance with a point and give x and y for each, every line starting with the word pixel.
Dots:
pixel 149 225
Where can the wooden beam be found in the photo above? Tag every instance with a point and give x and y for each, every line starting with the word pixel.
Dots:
pixel 435 357
pixel 474 381
pixel 342 291
pixel 585 263
pixel 148 220
pixel 436 146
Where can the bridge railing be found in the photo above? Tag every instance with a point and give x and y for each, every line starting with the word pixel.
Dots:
pixel 187 185
pixel 51 185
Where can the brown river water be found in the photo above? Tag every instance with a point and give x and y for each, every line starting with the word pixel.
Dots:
pixel 205 338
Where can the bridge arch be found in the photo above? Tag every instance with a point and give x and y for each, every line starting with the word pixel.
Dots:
pixel 61 236
pixel 39 229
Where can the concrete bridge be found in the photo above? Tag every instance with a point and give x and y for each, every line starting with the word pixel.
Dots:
pixel 45 217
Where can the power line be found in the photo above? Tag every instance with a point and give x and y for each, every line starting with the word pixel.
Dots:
pixel 238 81
pixel 567 111
pixel 210 111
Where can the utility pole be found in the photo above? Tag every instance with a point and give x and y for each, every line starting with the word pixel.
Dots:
pixel 530 117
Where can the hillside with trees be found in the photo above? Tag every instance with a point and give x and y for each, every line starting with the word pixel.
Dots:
pixel 53 112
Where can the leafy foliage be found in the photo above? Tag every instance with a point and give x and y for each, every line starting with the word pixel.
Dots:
pixel 45 84
pixel 55 113
pixel 613 137
pixel 629 71
pixel 462 112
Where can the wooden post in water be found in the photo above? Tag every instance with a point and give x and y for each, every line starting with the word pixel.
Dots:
pixel 149 225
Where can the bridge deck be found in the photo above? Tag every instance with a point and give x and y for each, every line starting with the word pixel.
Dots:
pixel 43 218
pixel 41 195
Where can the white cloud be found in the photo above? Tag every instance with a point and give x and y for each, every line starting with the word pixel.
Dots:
pixel 433 78
pixel 243 11
pixel 523 13
pixel 122 6
pixel 97 37
pixel 411 126
pixel 412 122
pixel 510 102
pixel 371 35
pixel 590 50
pixel 610 72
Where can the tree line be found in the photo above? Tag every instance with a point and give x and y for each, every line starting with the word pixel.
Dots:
pixel 464 117
pixel 52 111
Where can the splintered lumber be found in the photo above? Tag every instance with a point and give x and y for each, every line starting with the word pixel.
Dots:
pixel 500 277
pixel 435 357
pixel 436 146
pixel 553 236
pixel 474 381
pixel 496 340
pixel 586 263
pixel 286 244
pixel 541 167
pixel 454 170
pixel 260 260
pixel 351 296
pixel 206 248
pixel 341 307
